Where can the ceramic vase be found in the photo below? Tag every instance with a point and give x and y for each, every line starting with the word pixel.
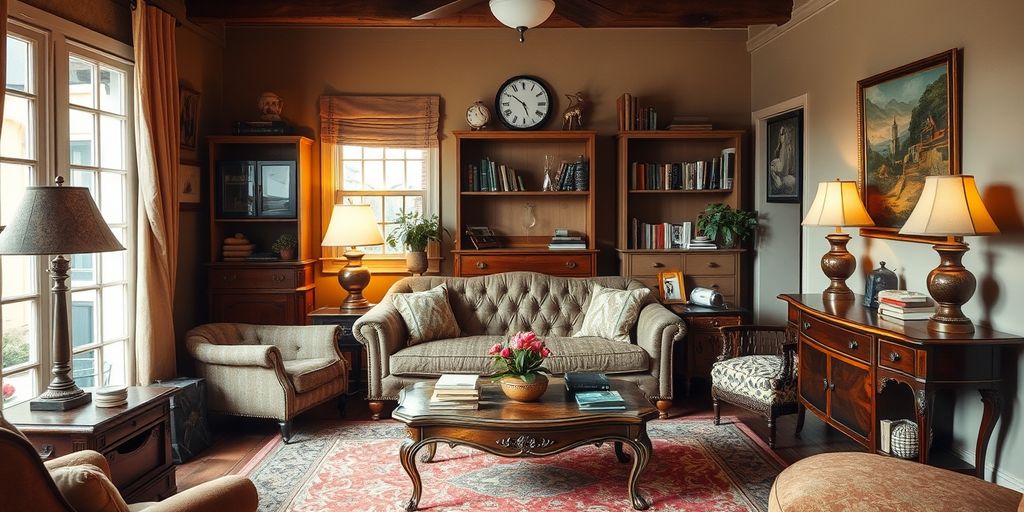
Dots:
pixel 519 390
pixel 416 262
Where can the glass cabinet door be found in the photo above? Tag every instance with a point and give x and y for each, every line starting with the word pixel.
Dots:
pixel 277 189
pixel 236 181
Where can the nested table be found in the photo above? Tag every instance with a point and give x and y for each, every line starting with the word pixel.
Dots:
pixel 503 427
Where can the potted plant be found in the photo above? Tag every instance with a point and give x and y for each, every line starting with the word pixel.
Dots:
pixel 726 226
pixel 413 232
pixel 519 362
pixel 284 246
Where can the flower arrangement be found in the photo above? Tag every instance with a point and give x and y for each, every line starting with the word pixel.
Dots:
pixel 522 356
pixel 8 391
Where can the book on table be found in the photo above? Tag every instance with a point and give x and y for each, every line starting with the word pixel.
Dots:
pixel 599 400
pixel 449 381
pixel 903 296
pixel 586 381
pixel 908 314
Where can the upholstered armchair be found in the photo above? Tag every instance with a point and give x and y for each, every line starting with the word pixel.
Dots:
pixel 268 371
pixel 757 371
pixel 80 481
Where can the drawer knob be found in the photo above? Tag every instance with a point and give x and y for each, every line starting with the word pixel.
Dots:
pixel 481 265
pixel 715 323
pixel 824 386
pixel 831 386
pixel 278 277
pixel 714 285
pixel 894 356
pixel 853 344
pixel 712 264
pixel 570 264
pixel 807 325
pixel 657 264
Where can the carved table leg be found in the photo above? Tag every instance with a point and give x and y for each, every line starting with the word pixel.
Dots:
pixel 663 407
pixel 924 398
pixel 429 455
pixel 619 454
pixel 376 407
pixel 642 450
pixel 993 401
pixel 408 456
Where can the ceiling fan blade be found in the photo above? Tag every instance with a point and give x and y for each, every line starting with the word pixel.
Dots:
pixel 584 12
pixel 447 9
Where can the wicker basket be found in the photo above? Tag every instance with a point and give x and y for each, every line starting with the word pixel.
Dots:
pixel 903 442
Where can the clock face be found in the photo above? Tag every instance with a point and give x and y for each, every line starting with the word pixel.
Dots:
pixel 477 115
pixel 523 103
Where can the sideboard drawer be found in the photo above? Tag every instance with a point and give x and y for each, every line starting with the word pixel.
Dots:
pixel 726 285
pixel 652 264
pixel 853 344
pixel 250 278
pixel 712 323
pixel 132 426
pixel 711 264
pixel 896 357
pixel 553 264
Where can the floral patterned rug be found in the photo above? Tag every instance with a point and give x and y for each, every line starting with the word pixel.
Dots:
pixel 354 466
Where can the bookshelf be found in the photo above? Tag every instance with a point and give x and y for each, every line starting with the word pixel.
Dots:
pixel 721 269
pixel 503 212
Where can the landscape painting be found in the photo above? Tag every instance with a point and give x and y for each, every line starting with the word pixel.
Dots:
pixel 909 129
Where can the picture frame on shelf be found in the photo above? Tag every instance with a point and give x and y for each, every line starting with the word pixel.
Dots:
pixel 908 127
pixel 188 117
pixel 189 185
pixel 785 172
pixel 671 289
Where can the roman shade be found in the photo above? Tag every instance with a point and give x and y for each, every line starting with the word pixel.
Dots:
pixel 395 121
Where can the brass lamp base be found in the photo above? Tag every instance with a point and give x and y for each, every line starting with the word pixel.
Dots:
pixel 838 265
pixel 353 278
pixel 951 285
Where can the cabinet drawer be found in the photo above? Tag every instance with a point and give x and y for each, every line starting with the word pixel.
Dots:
pixel 850 343
pixel 249 278
pixel 896 357
pixel 652 264
pixel 137 455
pixel 132 426
pixel 712 323
pixel 553 264
pixel 726 285
pixel 710 264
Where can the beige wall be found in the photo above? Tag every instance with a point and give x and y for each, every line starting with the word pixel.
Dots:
pixel 683 71
pixel 825 56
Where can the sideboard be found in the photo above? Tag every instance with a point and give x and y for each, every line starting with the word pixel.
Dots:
pixel 857 368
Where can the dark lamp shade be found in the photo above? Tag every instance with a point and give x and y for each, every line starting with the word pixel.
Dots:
pixel 57 220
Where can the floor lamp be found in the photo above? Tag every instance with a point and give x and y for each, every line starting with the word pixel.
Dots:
pixel 58 220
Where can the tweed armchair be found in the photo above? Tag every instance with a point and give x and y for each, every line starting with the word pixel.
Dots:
pixel 268 371
pixel 757 371
pixel 26 483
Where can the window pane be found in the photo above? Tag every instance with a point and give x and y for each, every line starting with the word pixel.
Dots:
pixel 414 204
pixel 415 174
pixel 112 197
pixel 415 154
pixel 20 334
pixel 16 138
pixel 391 249
pixel 83 369
pixel 111 90
pixel 115 322
pixel 19 387
pixel 83 318
pixel 352 175
pixel 20 277
pixel 369 153
pixel 114 365
pixel 112 265
pixel 83 138
pixel 87 179
pixel 19 77
pixel 81 79
pixel 394 154
pixel 111 142
pixel 392 207
pixel 353 152
pixel 83 269
pixel 394 173
pixel 14 178
pixel 373 175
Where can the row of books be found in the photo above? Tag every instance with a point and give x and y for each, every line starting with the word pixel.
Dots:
pixel 716 174
pixel 634 117
pixel 456 392
pixel 571 176
pixel 491 177
pixel 666 235
pixel 905 305
pixel 564 239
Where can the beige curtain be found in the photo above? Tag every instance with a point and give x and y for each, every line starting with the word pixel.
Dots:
pixel 156 141
pixel 405 121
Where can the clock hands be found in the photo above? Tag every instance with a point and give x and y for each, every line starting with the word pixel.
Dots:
pixel 523 103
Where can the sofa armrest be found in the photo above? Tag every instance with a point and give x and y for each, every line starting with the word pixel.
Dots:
pixel 383 332
pixel 264 356
pixel 657 332
pixel 77 459
pixel 225 493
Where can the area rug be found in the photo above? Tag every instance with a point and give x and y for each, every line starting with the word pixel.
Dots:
pixel 354 466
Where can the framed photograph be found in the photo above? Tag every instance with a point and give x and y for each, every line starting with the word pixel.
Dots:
pixel 189 117
pixel 670 287
pixel 785 172
pixel 189 185
pixel 908 128
pixel 482 237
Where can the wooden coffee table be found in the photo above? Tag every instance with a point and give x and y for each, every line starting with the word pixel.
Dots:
pixel 503 427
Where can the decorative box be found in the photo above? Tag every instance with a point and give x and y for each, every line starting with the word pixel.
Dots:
pixel 190 429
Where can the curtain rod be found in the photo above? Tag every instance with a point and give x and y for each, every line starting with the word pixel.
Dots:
pixel 134 4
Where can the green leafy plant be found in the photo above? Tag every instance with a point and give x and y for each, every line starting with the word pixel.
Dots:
pixel 414 231
pixel 522 355
pixel 284 242
pixel 721 223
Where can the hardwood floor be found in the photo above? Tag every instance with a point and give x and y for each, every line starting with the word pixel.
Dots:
pixel 237 440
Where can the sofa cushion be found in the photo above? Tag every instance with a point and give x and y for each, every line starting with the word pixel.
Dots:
pixel 755 377
pixel 612 313
pixel 427 314
pixel 469 355
pixel 309 374
pixel 87 489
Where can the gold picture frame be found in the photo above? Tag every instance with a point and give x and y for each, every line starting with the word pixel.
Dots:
pixel 671 289
pixel 190 185
pixel 188 117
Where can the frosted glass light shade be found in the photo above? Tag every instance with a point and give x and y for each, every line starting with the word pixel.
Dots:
pixel 352 225
pixel 522 13
pixel 950 206
pixel 837 204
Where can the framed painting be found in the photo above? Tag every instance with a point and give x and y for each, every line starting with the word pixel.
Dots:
pixel 908 128
pixel 189 185
pixel 670 287
pixel 785 172
pixel 189 117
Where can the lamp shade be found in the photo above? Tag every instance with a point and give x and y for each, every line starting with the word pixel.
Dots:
pixel 57 220
pixel 837 203
pixel 352 225
pixel 950 206
pixel 522 13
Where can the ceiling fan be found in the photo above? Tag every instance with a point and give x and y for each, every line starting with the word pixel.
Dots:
pixel 518 14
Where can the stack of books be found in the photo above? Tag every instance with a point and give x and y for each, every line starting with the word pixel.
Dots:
pixel 600 401
pixel 905 305
pixel 576 382
pixel 702 243
pixel 456 392
pixel 565 239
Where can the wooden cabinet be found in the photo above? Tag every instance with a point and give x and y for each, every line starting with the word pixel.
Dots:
pixel 350 347
pixel 523 248
pixel 703 339
pixel 721 269
pixel 263 289
pixel 135 439
pixel 857 369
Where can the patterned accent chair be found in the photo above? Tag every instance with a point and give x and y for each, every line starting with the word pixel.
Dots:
pixel 268 371
pixel 757 371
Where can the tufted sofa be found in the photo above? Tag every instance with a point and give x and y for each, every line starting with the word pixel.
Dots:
pixel 489 308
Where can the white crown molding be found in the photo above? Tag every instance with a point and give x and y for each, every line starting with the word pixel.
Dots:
pixel 800 15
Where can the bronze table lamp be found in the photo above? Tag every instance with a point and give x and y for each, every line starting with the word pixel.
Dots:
pixel 837 204
pixel 352 226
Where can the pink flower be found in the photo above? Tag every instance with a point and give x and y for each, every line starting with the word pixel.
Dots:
pixel 544 352
pixel 537 346
pixel 515 343
pixel 506 352
pixel 495 349
pixel 527 337
pixel 8 390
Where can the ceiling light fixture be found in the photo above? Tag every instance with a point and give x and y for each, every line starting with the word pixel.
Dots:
pixel 522 14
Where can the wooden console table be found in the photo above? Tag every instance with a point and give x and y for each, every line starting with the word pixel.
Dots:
pixel 853 364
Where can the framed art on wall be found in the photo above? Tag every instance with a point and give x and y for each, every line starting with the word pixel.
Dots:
pixel 670 287
pixel 189 117
pixel 785 172
pixel 908 128
pixel 189 185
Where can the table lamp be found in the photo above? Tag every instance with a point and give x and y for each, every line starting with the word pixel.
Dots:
pixel 58 220
pixel 837 204
pixel 351 226
pixel 950 206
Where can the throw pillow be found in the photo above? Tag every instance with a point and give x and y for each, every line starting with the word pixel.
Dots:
pixel 612 313
pixel 87 489
pixel 427 314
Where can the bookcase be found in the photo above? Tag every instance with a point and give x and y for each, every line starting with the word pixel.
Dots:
pixel 262 290
pixel 721 269
pixel 504 212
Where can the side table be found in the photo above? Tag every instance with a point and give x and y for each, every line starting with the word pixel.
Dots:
pixel 135 439
pixel 347 343
pixel 703 340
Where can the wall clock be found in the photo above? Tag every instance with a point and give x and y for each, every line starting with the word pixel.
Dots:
pixel 523 103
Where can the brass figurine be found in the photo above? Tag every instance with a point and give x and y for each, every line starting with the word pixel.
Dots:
pixel 574 112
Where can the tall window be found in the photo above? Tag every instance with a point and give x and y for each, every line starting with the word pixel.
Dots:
pixel 67 109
